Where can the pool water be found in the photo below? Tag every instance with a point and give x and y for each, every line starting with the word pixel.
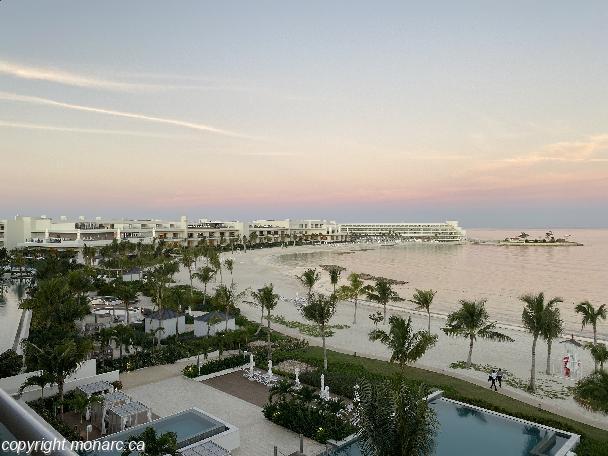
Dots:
pixel 465 430
pixel 191 426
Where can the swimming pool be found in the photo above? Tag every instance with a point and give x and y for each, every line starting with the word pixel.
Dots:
pixel 191 426
pixel 468 430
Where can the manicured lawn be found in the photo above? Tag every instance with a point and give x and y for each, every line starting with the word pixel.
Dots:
pixel 594 441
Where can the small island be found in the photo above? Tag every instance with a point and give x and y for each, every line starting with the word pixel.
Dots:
pixel 524 239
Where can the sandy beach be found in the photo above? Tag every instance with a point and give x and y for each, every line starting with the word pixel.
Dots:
pixel 255 268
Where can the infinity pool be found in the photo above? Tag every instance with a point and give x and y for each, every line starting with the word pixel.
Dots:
pixel 466 430
pixel 191 426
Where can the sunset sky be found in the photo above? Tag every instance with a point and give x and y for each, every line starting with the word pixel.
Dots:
pixel 491 113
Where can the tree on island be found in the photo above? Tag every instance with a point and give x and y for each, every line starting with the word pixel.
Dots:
pixel 382 293
pixel 395 420
pixel 320 309
pixel 536 316
pixel 353 291
pixel 309 278
pixel 472 321
pixel 423 299
pixel 406 345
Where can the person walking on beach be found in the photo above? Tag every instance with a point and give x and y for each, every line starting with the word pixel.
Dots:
pixel 499 375
pixel 492 379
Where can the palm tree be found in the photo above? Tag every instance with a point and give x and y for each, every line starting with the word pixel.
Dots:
pixel 79 281
pixel 599 353
pixel 216 263
pixel 88 253
pixel 552 329
pixel 472 321
pixel 127 294
pixel 123 335
pixel 320 309
pixel 355 289
pixel 40 380
pixel 382 293
pixel 309 278
pixel 395 420
pixel 534 317
pixel 229 264
pixel 205 274
pixel 153 444
pixel 228 298
pixel 423 299
pixel 591 315
pixel 178 300
pixel 406 345
pixel 266 299
pixel 334 275
pixel 187 258
pixel 80 402
pixel 61 360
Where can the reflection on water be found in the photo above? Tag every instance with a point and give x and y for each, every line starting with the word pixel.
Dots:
pixel 12 292
pixel 465 412
pixel 498 273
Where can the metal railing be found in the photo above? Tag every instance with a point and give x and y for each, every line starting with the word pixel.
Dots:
pixel 24 426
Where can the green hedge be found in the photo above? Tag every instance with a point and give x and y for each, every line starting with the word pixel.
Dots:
pixel 213 366
pixel 312 419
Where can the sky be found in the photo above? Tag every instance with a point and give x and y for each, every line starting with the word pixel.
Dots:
pixel 491 113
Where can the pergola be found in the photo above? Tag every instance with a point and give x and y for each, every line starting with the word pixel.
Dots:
pixel 127 415
pixel 99 410
pixel 101 387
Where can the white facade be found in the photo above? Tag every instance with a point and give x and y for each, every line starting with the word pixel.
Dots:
pixel 441 232
pixel 63 234
pixel 212 323
pixel 170 321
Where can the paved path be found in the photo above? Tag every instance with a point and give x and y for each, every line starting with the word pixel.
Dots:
pixel 173 394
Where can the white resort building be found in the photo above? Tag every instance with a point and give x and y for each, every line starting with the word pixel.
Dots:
pixel 441 232
pixel 22 231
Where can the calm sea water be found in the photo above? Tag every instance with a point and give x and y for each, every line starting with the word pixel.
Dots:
pixel 497 273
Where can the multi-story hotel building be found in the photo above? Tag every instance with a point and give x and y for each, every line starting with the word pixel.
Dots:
pixel 63 234
pixel 441 232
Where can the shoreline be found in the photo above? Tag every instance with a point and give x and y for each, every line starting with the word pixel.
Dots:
pixel 256 268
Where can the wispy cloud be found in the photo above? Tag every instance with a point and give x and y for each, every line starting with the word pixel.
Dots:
pixel 64 77
pixel 588 150
pixel 155 82
pixel 130 115
pixel 57 128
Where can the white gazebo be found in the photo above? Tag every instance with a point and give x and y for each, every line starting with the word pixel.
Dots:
pixel 211 323
pixel 166 319
pixel 121 417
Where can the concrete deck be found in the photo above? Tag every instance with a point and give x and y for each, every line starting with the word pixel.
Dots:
pixel 172 394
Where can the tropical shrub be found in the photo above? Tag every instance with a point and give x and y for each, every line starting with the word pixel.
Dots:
pixel 592 392
pixel 10 363
pixel 306 413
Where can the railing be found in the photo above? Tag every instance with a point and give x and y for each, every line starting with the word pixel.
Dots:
pixel 22 424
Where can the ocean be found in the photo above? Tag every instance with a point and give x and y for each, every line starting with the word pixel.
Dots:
pixel 499 274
